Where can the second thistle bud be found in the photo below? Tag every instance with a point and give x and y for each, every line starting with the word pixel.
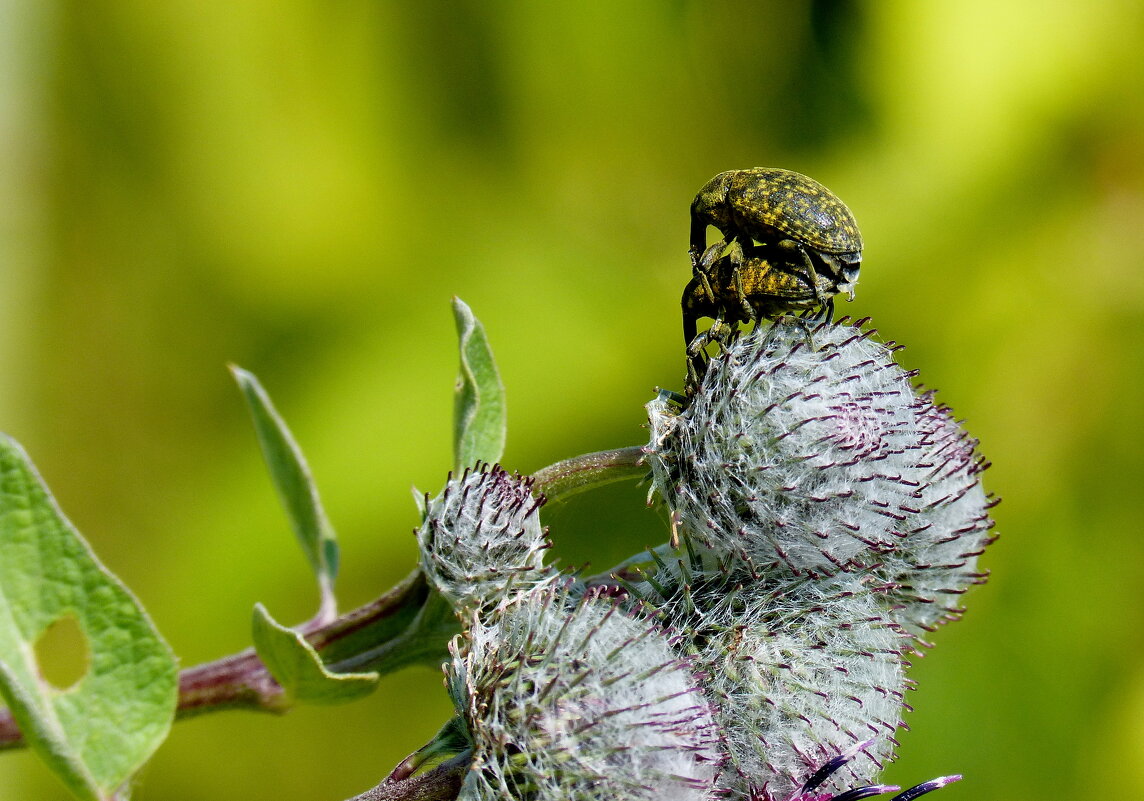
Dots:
pixel 482 537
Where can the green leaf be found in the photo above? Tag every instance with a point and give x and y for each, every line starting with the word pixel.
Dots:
pixel 97 733
pixel 295 665
pixel 292 479
pixel 479 405
pixel 451 739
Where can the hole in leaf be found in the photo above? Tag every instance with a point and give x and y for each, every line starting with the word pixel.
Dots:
pixel 62 653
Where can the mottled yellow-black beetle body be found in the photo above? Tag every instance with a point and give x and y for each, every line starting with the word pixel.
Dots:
pixel 785 235
pixel 754 289
pixel 772 205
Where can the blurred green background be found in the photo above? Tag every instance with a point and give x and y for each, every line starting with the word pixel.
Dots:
pixel 300 187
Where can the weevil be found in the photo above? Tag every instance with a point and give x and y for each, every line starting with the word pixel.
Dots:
pixel 793 217
pixel 756 288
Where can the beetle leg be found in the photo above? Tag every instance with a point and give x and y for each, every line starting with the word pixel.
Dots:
pixel 826 303
pixel 694 376
pixel 702 269
pixel 721 333
pixel 802 324
pixel 698 343
pixel 827 315
pixel 698 236
pixel 711 255
pixel 699 296
pixel 748 310
pixel 808 332
pixel 733 250
pixel 696 357
pixel 809 264
pixel 697 361
pixel 705 280
pixel 798 252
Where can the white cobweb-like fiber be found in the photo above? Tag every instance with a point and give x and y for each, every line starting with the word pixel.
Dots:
pixel 800 669
pixel 574 700
pixel 482 538
pixel 811 669
pixel 816 455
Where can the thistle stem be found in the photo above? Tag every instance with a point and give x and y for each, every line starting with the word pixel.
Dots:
pixel 588 471
pixel 440 784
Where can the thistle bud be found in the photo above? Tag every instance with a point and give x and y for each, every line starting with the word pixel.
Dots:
pixel 571 699
pixel 806 670
pixel 818 460
pixel 800 669
pixel 481 538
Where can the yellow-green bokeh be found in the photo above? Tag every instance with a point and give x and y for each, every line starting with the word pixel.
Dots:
pixel 300 187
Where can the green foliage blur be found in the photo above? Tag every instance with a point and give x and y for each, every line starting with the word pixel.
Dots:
pixel 300 188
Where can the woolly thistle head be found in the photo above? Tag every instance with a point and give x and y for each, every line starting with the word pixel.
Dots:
pixel 481 538
pixel 819 459
pixel 808 669
pixel 800 669
pixel 572 699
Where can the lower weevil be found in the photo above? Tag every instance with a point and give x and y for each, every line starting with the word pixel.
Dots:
pixel 757 287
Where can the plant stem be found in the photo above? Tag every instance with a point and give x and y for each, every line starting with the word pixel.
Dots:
pixel 10 736
pixel 440 784
pixel 364 635
pixel 563 479
pixel 241 681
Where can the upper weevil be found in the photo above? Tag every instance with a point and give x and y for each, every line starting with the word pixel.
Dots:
pixel 794 218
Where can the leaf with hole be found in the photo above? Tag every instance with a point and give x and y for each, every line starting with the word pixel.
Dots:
pixel 97 731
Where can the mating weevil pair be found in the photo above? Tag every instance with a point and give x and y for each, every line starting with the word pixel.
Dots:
pixel 788 243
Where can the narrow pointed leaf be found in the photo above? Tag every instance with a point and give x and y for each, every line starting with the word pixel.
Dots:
pixel 479 403
pixel 295 665
pixel 295 486
pixel 97 733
